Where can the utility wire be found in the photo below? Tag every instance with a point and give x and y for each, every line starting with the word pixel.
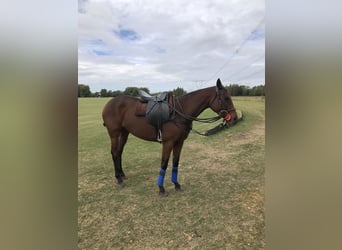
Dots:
pixel 235 52
pixel 252 74
pixel 236 73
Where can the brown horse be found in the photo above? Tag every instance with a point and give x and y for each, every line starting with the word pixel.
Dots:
pixel 120 120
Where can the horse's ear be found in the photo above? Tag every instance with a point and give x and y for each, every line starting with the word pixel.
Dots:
pixel 219 84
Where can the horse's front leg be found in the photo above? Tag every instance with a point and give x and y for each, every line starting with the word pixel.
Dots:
pixel 177 148
pixel 167 147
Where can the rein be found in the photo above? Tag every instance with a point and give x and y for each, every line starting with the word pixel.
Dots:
pixel 199 133
pixel 202 120
pixel 192 118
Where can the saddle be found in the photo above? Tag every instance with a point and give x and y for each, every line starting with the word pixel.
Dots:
pixel 156 109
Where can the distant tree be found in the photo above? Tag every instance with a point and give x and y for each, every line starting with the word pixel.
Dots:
pixel 109 93
pixel 134 91
pixel 117 93
pixel 242 90
pixel 96 94
pixel 179 91
pixel 258 90
pixel 103 92
pixel 83 90
pixel 235 89
pixel 131 91
pixel 245 90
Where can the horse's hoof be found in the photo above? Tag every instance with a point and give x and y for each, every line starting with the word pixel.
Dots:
pixel 178 187
pixel 121 185
pixel 163 194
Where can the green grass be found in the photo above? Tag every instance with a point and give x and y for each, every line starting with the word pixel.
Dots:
pixel 222 206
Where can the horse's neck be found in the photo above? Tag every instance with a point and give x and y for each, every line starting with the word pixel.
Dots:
pixel 194 103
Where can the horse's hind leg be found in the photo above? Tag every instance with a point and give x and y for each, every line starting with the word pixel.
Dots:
pixel 114 152
pixel 122 141
pixel 118 140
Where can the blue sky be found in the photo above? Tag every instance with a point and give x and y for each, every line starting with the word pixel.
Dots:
pixel 126 34
pixel 163 45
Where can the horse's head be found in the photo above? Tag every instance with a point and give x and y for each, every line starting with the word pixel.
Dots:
pixel 222 103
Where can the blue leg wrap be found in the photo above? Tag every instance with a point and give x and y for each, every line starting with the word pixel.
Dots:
pixel 174 174
pixel 161 176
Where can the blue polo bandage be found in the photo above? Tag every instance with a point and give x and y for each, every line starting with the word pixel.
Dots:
pixel 174 174
pixel 161 176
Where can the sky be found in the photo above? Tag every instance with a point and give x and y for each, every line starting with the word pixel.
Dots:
pixel 162 45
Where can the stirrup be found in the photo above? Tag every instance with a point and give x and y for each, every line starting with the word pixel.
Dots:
pixel 159 136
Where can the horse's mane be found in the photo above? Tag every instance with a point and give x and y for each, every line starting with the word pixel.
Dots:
pixel 195 92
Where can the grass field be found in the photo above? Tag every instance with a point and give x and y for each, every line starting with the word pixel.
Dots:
pixel 222 206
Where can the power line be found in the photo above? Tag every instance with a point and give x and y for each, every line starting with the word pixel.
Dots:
pixel 236 51
pixel 252 74
pixel 236 73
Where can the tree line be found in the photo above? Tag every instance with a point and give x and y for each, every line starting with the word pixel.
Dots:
pixel 84 91
pixel 242 90
pixel 235 90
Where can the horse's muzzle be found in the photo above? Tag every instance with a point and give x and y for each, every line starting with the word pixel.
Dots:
pixel 230 117
pixel 233 121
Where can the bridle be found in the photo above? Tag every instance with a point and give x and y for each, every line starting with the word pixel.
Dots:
pixel 220 102
pixel 224 112
pixel 203 120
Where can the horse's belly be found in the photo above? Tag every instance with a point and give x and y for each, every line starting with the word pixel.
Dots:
pixel 140 128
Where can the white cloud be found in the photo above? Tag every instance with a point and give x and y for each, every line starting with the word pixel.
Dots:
pixel 152 43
